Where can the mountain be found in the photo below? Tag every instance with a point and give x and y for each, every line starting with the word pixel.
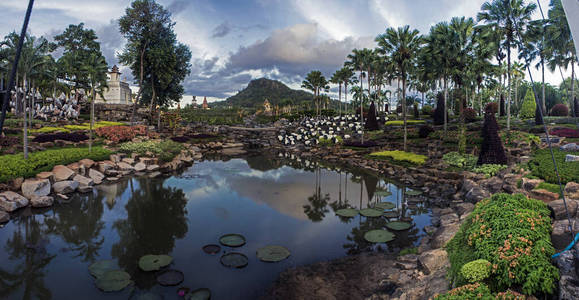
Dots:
pixel 274 91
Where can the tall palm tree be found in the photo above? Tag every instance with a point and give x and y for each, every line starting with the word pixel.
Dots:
pixel 560 42
pixel 481 67
pixel 347 78
pixel 337 79
pixel 359 60
pixel 534 47
pixel 508 18
pixel 403 46
pixel 316 82
pixel 95 67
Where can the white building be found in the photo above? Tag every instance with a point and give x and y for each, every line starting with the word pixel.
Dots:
pixel 118 92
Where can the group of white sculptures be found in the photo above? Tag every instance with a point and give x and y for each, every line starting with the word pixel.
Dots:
pixel 61 108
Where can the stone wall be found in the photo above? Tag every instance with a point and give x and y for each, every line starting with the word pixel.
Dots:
pixel 117 112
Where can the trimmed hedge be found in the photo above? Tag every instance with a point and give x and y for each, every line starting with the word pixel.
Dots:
pixel 14 165
pixel 401 123
pixel 513 233
pixel 542 166
pixel 71 137
pixel 403 156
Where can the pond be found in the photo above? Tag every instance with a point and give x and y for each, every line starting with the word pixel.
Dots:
pixel 270 200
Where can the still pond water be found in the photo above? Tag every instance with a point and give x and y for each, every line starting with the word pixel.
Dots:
pixel 270 200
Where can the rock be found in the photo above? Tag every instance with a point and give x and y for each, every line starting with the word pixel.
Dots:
pixel 35 187
pixel 16 184
pixel 42 201
pixel 443 235
pixel 543 195
pixel 448 219
pixel 558 211
pixel 96 176
pixel 85 189
pixel 433 260
pixel 152 168
pixel 139 167
pixel 463 209
pixel 116 158
pixel 148 161
pixel 112 179
pixel 62 173
pixel 561 236
pixel 570 147
pixel 45 175
pixel 83 181
pixel 476 194
pixel 572 190
pixel 104 166
pixel 130 161
pixel 87 163
pixel 4 217
pixel 11 201
pixel 530 184
pixel 123 166
pixel 571 158
pixel 233 151
pixel 76 168
pixel 568 287
pixel 155 174
pixel 494 185
pixel 65 187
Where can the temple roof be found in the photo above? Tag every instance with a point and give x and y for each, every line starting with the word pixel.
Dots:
pixel 115 69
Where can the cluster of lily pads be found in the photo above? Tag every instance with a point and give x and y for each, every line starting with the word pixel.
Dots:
pixel 109 278
pixel 270 253
pixel 380 209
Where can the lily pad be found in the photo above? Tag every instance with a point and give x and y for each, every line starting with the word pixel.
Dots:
pixel 99 268
pixel 385 205
pixel 170 278
pixel 379 236
pixel 370 212
pixel 272 253
pixel 398 225
pixel 232 240
pixel 347 212
pixel 199 294
pixel 413 193
pixel 154 262
pixel 382 193
pixel 113 281
pixel 391 214
pixel 211 249
pixel 234 260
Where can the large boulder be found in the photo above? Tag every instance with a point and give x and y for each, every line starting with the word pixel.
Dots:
pixel 543 195
pixel 561 236
pixel 464 209
pixel 123 166
pixel 433 260
pixel 558 210
pixel 62 173
pixel 83 181
pixel 572 190
pixel 443 235
pixel 104 166
pixel 45 175
pixel 530 184
pixel 140 167
pixel 65 187
pixel 87 163
pixel 96 176
pixel 11 201
pixel 42 201
pixel 35 187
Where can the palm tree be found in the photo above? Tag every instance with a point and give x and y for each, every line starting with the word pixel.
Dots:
pixel 402 45
pixel 95 67
pixel 560 44
pixel 360 60
pixel 337 79
pixel 508 18
pixel 315 82
pixel 534 47
pixel 347 77
pixel 483 48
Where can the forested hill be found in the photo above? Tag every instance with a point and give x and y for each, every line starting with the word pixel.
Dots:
pixel 274 91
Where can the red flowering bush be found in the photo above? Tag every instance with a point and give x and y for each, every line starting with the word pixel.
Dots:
pixel 560 110
pixel 117 134
pixel 565 132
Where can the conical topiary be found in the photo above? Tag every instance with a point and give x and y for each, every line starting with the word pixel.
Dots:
pixel 502 111
pixel 529 106
pixel 439 111
pixel 492 150
pixel 371 121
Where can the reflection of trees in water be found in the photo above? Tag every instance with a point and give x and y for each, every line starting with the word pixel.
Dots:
pixel 317 209
pixel 27 246
pixel 79 224
pixel 155 218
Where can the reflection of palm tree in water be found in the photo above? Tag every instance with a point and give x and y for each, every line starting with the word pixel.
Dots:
pixel 30 248
pixel 317 209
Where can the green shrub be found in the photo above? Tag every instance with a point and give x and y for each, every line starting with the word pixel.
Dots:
pixel 489 170
pixel 476 270
pixel 512 232
pixel 455 159
pixel 328 142
pixel 529 106
pixel 49 129
pixel 478 291
pixel 164 150
pixel 403 156
pixel 411 250
pixel 542 166
pixel 14 165
pixel 401 123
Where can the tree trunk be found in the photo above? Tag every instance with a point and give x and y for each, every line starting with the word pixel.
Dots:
pixel 91 120
pixel 362 106
pixel 340 97
pixel 404 107
pixel 508 87
pixel 134 112
pixel 445 104
pixel 25 135
pixel 544 102
pixel 346 96
pixel 573 87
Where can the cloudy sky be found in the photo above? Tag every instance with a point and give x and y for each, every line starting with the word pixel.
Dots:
pixel 234 41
